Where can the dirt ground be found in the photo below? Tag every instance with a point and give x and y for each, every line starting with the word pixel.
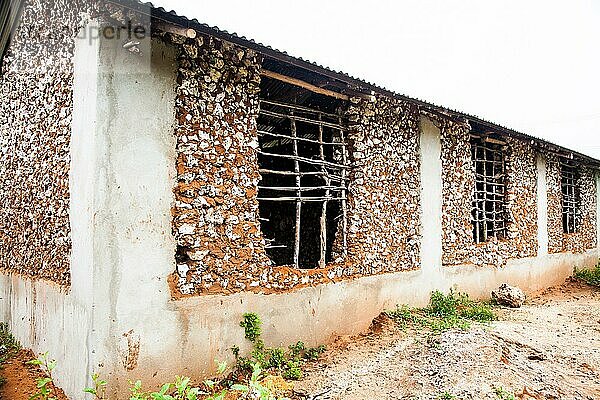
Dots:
pixel 548 349
pixel 21 378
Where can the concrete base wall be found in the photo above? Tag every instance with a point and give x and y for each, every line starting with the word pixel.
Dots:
pixel 186 336
pixel 45 319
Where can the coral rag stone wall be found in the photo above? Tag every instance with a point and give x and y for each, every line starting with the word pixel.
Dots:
pixel 585 236
pixel 215 215
pixel 555 227
pixel 384 228
pixel 458 183
pixel 458 246
pixel 36 106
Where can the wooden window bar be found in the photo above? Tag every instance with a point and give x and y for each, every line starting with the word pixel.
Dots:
pixel 488 214
pixel 310 145
pixel 570 196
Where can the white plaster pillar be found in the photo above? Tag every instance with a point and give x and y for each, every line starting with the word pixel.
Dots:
pixel 431 201
pixel 542 206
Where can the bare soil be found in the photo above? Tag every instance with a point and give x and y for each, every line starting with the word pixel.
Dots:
pixel 21 378
pixel 548 349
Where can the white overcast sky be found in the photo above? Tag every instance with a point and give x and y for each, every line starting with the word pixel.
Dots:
pixel 533 66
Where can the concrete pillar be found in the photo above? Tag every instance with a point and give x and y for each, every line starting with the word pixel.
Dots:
pixel 122 175
pixel 431 201
pixel 542 206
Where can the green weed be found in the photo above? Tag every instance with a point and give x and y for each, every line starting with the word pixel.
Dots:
pixel 589 276
pixel 46 390
pixel 454 310
pixel 99 388
pixel 251 323
pixel 503 394
pixel 286 363
pixel 446 396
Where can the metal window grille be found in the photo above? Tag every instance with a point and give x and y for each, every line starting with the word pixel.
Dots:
pixel 489 201
pixel 302 195
pixel 570 197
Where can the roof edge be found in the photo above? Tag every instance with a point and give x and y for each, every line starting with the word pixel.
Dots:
pixel 353 83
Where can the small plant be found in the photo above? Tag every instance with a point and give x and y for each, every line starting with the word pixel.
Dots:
pixel 179 390
pixel 454 310
pixel 251 324
pixel 589 276
pixel 45 385
pixel 254 388
pixel 99 388
pixel 313 353
pixel 503 394
pixel 286 363
pixel 136 391
pixel 212 385
pixel 446 396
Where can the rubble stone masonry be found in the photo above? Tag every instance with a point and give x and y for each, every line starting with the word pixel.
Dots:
pixel 384 228
pixel 215 214
pixel 585 236
pixel 458 245
pixel 36 86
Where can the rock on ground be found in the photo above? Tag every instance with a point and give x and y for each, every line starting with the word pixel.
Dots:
pixel 510 296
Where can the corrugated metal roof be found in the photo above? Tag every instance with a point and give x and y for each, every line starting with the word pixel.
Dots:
pixel 352 82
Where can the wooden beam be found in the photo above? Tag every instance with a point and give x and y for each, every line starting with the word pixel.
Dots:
pixel 303 85
pixel 174 29
pixel 298 195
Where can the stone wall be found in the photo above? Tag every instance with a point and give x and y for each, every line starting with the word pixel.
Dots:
pixel 215 215
pixel 384 228
pixel 36 106
pixel 585 236
pixel 458 245
pixel 215 210
pixel 555 227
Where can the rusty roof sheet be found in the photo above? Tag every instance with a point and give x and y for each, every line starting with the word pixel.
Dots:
pixel 352 82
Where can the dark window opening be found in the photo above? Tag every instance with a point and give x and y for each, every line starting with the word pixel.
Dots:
pixel 488 214
pixel 304 167
pixel 569 182
pixel 10 14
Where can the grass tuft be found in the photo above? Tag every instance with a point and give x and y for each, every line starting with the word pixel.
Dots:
pixel 445 311
pixel 589 276
pixel 503 394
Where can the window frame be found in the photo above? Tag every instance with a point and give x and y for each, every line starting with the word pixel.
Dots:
pixel 10 16
pixel 333 173
pixel 570 196
pixel 489 216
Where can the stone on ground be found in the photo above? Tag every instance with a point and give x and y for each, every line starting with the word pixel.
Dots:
pixel 510 296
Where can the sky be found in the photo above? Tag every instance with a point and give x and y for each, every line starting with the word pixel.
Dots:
pixel 533 66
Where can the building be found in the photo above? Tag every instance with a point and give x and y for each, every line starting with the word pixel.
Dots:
pixel 159 177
